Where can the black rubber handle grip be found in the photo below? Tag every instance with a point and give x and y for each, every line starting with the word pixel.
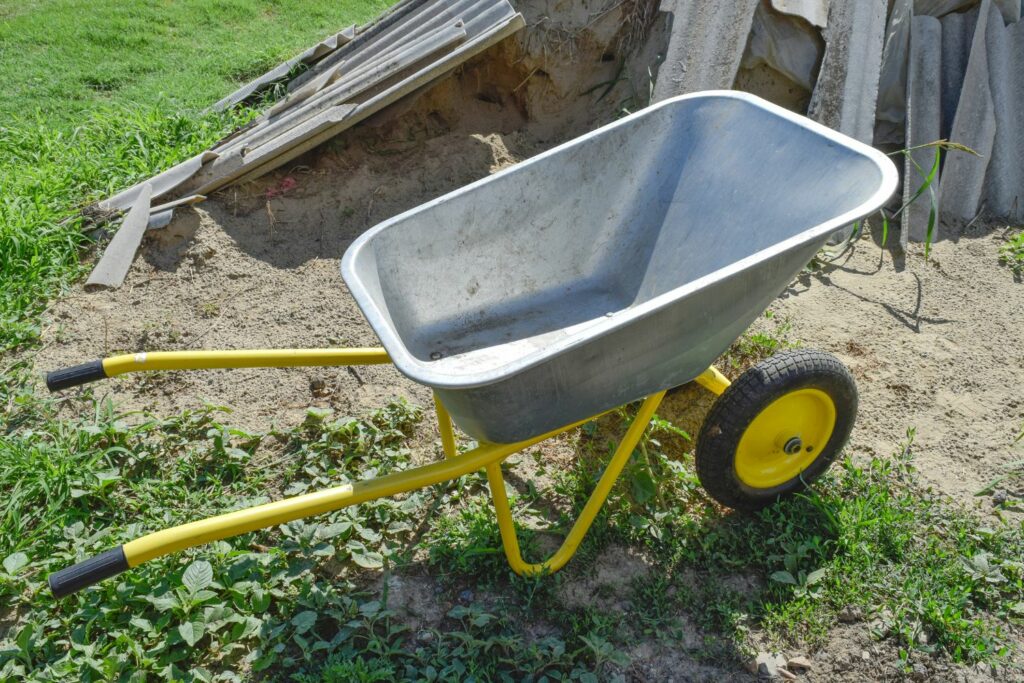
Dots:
pixel 87 572
pixel 74 376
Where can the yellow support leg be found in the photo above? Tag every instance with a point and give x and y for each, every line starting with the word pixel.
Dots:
pixel 579 529
pixel 178 538
pixel 713 380
pixel 444 424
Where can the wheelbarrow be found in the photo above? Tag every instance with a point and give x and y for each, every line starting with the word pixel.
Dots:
pixel 605 271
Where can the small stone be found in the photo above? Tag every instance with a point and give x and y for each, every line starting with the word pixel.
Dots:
pixel 798 663
pixel 999 498
pixel 919 672
pixel 317 386
pixel 466 596
pixel 865 655
pixel 850 614
pixel 766 668
pixel 425 637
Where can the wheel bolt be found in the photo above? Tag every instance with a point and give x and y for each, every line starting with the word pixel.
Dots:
pixel 793 446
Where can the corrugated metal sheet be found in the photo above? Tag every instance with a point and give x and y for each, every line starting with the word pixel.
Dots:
pixel 352 75
pixel 706 45
pixel 281 71
pixel 412 45
pixel 966 84
pixel 923 126
pixel 845 95
pixel 377 73
pixel 118 257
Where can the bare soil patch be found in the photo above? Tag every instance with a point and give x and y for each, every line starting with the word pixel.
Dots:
pixel 936 345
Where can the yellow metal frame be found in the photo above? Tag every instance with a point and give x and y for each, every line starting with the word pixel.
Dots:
pixel 713 380
pixel 486 456
pixel 572 541
pixel 260 358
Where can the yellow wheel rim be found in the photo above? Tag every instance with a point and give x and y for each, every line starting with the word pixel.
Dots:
pixel 785 438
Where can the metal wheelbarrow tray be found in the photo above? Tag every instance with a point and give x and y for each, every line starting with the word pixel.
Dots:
pixel 613 266
pixel 606 270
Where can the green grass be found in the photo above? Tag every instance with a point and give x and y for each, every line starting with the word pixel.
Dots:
pixel 99 95
pixel 1011 253
pixel 928 578
pixel 1004 483
pixel 923 192
pixel 66 58
pixel 237 607
pixel 50 173
pixel 767 337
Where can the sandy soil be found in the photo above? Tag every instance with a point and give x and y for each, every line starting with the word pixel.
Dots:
pixel 936 345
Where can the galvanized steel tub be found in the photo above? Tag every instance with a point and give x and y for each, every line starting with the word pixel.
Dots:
pixel 613 266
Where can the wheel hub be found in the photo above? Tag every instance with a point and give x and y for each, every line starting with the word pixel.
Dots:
pixel 785 438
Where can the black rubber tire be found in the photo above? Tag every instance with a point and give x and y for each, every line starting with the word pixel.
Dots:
pixel 745 398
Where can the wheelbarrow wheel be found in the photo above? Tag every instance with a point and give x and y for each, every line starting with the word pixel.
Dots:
pixel 776 429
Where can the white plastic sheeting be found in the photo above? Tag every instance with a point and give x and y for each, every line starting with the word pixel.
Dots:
pixel 814 12
pixel 892 81
pixel 791 47
pixel 1010 9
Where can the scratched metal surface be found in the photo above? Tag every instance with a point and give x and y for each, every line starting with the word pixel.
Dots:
pixel 616 265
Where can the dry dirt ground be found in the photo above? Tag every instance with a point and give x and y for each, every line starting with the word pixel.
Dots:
pixel 936 345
